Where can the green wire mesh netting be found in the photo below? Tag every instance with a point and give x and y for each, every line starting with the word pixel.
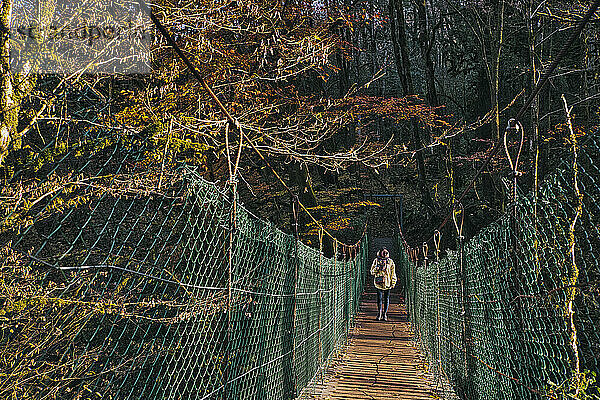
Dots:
pixel 118 281
pixel 514 313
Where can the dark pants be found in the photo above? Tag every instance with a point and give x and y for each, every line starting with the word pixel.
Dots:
pixel 383 298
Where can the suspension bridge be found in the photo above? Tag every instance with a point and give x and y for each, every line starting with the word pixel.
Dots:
pixel 124 286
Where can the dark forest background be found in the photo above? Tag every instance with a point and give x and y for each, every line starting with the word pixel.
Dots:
pixel 344 98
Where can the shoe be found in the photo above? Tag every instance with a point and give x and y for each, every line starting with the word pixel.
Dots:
pixel 385 318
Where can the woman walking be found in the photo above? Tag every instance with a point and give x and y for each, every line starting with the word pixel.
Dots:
pixel 384 271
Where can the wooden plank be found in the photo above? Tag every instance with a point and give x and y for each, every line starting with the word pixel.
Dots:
pixel 381 361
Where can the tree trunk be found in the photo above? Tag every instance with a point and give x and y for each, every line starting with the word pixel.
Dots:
pixel 404 70
pixel 15 86
pixel 306 194
pixel 426 44
pixel 396 46
pixel 9 109
pixel 397 14
pixel 373 48
pixel 497 70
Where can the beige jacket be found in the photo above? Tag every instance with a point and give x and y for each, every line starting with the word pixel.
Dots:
pixel 387 269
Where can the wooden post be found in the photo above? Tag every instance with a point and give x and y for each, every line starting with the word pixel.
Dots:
pixel 228 341
pixel 162 166
pixel 321 305
pixel 295 207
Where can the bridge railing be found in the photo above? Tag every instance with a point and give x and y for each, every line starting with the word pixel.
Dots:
pixel 115 289
pixel 514 313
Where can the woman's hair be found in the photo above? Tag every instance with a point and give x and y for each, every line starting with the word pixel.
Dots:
pixel 380 252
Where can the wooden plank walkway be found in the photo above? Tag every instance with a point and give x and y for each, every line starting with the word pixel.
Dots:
pixel 381 361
